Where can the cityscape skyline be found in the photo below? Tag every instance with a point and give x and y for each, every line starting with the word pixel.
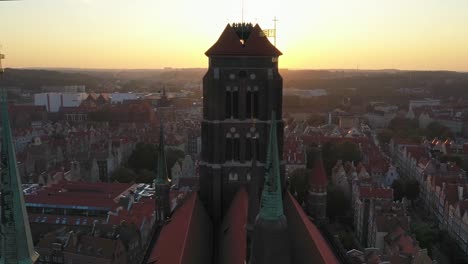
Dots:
pixel 335 34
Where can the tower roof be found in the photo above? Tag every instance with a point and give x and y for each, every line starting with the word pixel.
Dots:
pixel 16 239
pixel 271 207
pixel 318 176
pixel 252 42
pixel 161 174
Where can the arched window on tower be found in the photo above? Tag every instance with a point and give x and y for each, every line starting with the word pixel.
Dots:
pixel 236 143
pixel 228 147
pixel 251 142
pixel 228 103
pixel 232 145
pixel 252 102
pixel 232 102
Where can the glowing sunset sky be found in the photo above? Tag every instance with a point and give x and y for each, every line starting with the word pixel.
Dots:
pixel 371 34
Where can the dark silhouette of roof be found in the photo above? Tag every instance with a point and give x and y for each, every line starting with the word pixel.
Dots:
pixel 187 237
pixel 230 44
pixel 234 237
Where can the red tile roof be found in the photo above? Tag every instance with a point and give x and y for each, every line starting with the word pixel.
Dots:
pixel 308 244
pixel 103 196
pixel 256 44
pixel 186 238
pixel 233 230
pixel 377 193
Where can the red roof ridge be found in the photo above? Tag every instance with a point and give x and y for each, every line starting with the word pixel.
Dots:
pixel 319 241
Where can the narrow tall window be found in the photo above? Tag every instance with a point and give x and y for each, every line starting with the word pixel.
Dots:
pixel 248 100
pixel 255 103
pixel 235 104
pixel 236 143
pixel 248 148
pixel 228 104
pixel 228 153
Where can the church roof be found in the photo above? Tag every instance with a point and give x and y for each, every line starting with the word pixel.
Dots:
pixel 187 238
pixel 256 44
pixel 234 237
pixel 308 244
pixel 318 176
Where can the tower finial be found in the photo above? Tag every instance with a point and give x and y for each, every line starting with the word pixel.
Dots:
pixel 271 201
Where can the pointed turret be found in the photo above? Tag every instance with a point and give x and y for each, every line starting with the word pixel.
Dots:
pixel 316 202
pixel 16 242
pixel 270 240
pixel 161 183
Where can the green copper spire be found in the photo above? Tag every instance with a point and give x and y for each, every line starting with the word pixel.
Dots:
pixel 271 201
pixel 161 175
pixel 16 242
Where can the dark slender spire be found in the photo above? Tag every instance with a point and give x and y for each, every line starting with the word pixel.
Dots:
pixel 16 242
pixel 161 175
pixel 271 201
pixel 161 184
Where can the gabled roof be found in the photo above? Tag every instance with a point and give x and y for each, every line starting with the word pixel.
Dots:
pixel 186 238
pixel 308 244
pixel 229 44
pixel 233 230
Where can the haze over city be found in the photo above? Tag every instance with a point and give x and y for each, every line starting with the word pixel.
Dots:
pixel 414 35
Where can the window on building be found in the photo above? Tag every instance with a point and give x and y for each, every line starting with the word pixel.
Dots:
pixel 233 176
pixel 236 147
pixel 232 102
pixel 228 104
pixel 252 102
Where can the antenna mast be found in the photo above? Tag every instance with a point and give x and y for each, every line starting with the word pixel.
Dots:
pixel 274 39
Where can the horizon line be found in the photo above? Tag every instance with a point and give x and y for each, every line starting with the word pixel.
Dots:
pixel 201 68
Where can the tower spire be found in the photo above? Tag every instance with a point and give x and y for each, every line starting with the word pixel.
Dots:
pixel 15 235
pixel 161 184
pixel 161 175
pixel 270 239
pixel 271 201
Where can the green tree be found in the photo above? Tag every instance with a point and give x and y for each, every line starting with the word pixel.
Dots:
pixel 172 156
pixel 398 189
pixel 384 136
pixel 337 203
pixel 426 235
pixel 412 190
pixel 451 158
pixel 143 157
pixel 298 183
pixel 124 175
pixel 436 130
pixel 145 176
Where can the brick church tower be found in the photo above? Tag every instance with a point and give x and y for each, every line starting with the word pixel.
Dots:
pixel 316 200
pixel 240 90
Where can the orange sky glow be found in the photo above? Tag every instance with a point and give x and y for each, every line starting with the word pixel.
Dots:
pixel 144 34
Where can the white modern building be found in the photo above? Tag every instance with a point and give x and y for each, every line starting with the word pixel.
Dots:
pixel 53 101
